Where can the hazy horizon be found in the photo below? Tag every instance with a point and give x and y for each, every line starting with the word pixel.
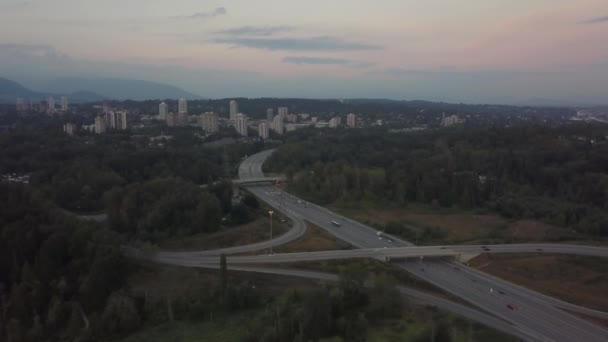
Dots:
pixel 494 51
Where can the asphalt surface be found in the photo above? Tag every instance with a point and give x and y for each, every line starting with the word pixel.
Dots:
pixel 393 253
pixel 533 313
pixel 536 317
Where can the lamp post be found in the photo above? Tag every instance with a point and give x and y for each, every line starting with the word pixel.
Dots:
pixel 270 212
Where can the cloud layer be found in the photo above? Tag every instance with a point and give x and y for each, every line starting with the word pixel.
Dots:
pixel 302 60
pixel 323 43
pixel 598 20
pixel 255 30
pixel 205 15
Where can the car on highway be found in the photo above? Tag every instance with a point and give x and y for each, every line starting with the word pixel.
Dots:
pixel 512 307
pixel 335 223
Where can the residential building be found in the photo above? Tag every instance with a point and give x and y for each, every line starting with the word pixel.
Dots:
pixel 21 106
pixel 277 124
pixel 121 121
pixel 338 120
pixel 263 130
pixel 69 129
pixel 234 110
pixel 351 120
pixel 292 118
pixel 290 127
pixel 64 103
pixel 100 125
pixel 269 114
pixel 451 120
pixel 241 124
pixel 110 119
pixel 163 110
pixel 314 119
pixel 210 122
pixel 51 104
pixel 304 116
pixel 283 112
pixel 182 119
pixel 171 119
pixel 333 123
pixel 182 106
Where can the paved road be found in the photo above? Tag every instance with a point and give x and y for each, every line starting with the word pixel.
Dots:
pixel 535 313
pixel 393 253
pixel 420 296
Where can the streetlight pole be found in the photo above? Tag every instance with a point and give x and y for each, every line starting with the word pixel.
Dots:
pixel 270 212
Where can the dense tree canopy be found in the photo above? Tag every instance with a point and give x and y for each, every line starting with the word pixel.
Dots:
pixel 558 174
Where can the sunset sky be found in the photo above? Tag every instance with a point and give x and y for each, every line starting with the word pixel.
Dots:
pixel 506 51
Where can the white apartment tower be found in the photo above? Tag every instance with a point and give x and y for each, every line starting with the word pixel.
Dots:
pixel 110 120
pixel 64 103
pixel 51 104
pixel 121 121
pixel 351 120
pixel 182 106
pixel 234 110
pixel 163 110
pixel 100 125
pixel 263 130
pixel 277 124
pixel 283 112
pixel 210 122
pixel 241 124
pixel 269 114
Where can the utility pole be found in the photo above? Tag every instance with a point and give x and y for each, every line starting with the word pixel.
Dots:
pixel 270 212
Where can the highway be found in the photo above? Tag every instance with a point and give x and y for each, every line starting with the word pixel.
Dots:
pixel 537 317
pixel 388 254
pixel 535 313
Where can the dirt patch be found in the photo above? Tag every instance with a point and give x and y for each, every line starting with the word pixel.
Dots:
pixel 315 239
pixel 575 279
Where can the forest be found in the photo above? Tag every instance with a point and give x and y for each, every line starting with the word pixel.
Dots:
pixel 555 174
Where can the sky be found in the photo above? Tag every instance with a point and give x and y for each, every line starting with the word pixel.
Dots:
pixel 488 51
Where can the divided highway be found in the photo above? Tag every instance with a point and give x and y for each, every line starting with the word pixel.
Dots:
pixel 534 314
pixel 535 317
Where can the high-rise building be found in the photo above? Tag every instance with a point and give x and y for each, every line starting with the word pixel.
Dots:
pixel 110 118
pixel 64 103
pixel 269 114
pixel 263 130
pixel 51 104
pixel 241 124
pixel 234 110
pixel 277 124
pixel 121 121
pixel 100 125
pixel 182 119
pixel 69 128
pixel 182 106
pixel 283 112
pixel 21 107
pixel 210 122
pixel 171 119
pixel 333 123
pixel 338 120
pixel 351 120
pixel 163 110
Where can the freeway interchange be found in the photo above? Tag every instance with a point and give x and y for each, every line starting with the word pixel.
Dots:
pixel 538 318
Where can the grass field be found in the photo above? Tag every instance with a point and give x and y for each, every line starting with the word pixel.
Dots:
pixel 457 226
pixel 575 279
pixel 315 239
pixel 252 232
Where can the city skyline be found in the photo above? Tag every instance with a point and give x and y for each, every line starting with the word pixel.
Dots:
pixel 494 51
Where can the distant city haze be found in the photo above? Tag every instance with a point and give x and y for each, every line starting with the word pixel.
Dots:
pixel 476 51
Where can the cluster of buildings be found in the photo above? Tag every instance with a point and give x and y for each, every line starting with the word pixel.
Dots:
pixel 45 106
pixel 447 121
pixel 280 123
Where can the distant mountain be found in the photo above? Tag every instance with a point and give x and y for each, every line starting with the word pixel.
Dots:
pixel 10 90
pixel 119 89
